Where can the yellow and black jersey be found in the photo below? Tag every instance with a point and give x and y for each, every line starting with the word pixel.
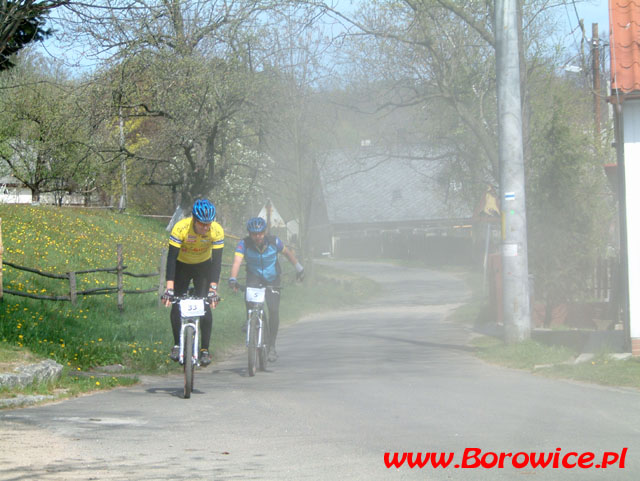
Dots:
pixel 195 248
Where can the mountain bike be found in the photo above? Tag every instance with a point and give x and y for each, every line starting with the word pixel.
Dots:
pixel 257 329
pixel 192 308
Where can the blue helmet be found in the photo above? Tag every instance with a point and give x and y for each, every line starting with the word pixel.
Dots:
pixel 204 211
pixel 256 224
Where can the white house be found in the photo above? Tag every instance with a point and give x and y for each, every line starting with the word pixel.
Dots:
pixel 12 191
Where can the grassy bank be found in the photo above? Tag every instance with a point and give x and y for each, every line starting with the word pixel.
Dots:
pixel 548 360
pixel 94 332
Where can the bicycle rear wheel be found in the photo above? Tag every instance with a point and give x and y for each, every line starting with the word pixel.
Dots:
pixel 252 347
pixel 189 364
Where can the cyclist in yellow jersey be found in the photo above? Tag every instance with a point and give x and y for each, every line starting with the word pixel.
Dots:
pixel 195 253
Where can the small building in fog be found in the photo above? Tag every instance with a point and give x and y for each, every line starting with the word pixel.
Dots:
pixel 12 191
pixel 400 204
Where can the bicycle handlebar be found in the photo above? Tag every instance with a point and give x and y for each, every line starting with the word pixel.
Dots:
pixel 176 299
pixel 243 288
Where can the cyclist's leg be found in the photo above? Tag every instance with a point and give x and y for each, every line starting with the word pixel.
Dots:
pixel 201 284
pixel 273 304
pixel 175 324
pixel 206 325
pixel 180 285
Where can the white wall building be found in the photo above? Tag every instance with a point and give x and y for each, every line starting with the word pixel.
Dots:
pixel 13 192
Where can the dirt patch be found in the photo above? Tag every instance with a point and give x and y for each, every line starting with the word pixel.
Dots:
pixel 26 446
pixel 29 452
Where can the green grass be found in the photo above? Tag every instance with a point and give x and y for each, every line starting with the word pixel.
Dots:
pixel 524 355
pixel 93 332
pixel 601 370
pixel 13 354
pixel 558 362
pixel 539 358
pixel 69 384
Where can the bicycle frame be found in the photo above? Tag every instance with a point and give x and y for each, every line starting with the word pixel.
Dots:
pixel 259 307
pixel 191 310
pixel 257 329
pixel 195 323
pixel 260 310
pixel 193 305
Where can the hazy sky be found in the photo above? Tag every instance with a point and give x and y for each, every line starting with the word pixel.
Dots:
pixel 593 11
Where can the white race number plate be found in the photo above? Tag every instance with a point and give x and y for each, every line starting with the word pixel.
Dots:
pixel 192 307
pixel 255 294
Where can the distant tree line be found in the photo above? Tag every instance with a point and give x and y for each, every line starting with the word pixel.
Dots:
pixel 238 100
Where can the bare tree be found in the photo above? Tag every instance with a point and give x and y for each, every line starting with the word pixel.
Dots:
pixel 22 22
pixel 46 137
pixel 182 67
pixel 293 120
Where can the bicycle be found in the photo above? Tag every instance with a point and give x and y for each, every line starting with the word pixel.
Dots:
pixel 257 328
pixel 192 308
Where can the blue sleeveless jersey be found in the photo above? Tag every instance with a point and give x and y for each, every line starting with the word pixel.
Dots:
pixel 261 263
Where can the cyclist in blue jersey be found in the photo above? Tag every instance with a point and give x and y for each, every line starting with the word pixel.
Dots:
pixel 260 253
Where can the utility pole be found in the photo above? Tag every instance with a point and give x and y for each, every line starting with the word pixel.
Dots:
pixel 595 63
pixel 268 211
pixel 515 269
pixel 122 205
pixel 123 164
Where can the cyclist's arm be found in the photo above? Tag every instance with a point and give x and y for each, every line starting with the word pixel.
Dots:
pixel 294 262
pixel 172 260
pixel 288 253
pixel 235 267
pixel 216 267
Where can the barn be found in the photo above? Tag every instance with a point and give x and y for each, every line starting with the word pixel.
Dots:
pixel 398 204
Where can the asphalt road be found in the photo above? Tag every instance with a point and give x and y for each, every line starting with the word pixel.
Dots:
pixel 349 386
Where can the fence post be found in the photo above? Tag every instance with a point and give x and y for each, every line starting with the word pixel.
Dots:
pixel 72 287
pixel 1 252
pixel 163 274
pixel 120 279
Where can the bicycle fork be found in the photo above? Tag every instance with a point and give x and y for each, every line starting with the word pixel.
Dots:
pixel 260 330
pixel 196 342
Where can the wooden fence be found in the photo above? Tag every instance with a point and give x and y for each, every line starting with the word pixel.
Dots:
pixel 71 276
pixel 1 252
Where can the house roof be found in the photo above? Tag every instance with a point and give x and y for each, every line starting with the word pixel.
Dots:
pixel 624 39
pixel 368 186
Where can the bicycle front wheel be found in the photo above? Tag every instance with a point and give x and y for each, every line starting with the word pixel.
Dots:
pixel 189 363
pixel 264 348
pixel 252 346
